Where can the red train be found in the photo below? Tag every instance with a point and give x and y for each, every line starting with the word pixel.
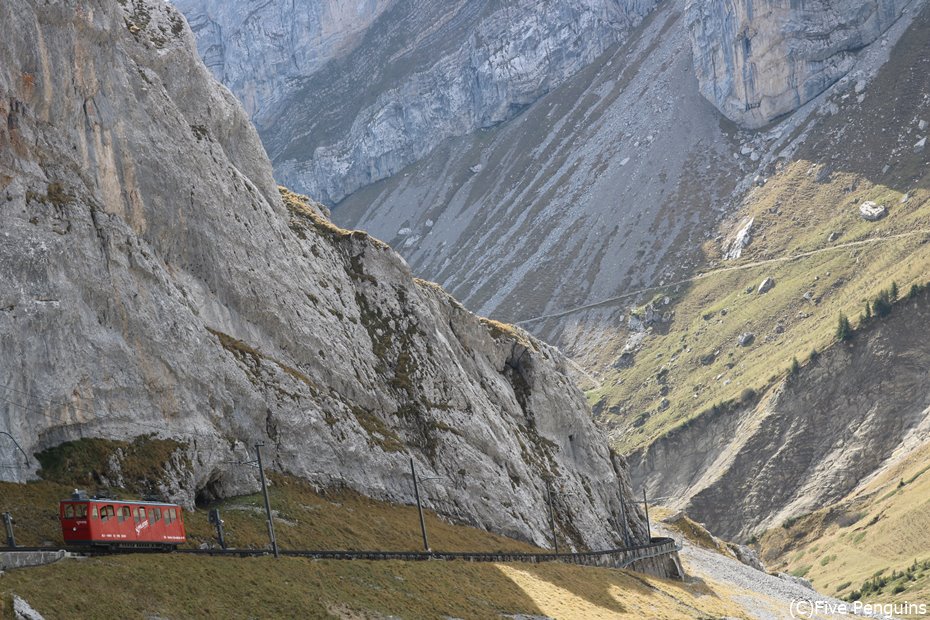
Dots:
pixel 119 523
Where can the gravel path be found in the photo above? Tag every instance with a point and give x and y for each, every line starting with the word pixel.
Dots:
pixel 763 596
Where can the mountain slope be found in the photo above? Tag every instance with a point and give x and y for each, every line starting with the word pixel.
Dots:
pixel 722 423
pixel 176 293
pixel 420 72
pixel 622 218
pixel 607 183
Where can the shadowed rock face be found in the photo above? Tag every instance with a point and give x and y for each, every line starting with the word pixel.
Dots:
pixel 155 282
pixel 757 60
pixel 420 72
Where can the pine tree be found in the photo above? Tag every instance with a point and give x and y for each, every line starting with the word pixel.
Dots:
pixel 843 328
pixel 893 291
pixel 882 304
pixel 795 367
pixel 868 311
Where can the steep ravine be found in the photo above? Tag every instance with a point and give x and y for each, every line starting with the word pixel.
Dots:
pixel 156 282
pixel 810 441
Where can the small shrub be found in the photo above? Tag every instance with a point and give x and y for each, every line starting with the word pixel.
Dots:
pixel 868 311
pixel 814 355
pixel 893 290
pixel 914 292
pixel 801 572
pixel 795 367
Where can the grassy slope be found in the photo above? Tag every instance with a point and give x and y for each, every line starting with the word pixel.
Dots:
pixel 195 587
pixel 815 194
pixel 884 527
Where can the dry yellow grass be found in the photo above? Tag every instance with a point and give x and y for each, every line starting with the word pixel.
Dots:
pixel 882 528
pixel 197 587
pixel 180 586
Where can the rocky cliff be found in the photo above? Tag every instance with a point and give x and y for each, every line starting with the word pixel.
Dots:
pixel 610 174
pixel 157 282
pixel 258 51
pixel 420 72
pixel 757 61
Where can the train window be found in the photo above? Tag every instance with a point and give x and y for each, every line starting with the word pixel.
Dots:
pixel 69 511
pixel 107 513
pixel 123 513
pixel 80 511
pixel 140 515
pixel 93 512
pixel 168 518
pixel 154 514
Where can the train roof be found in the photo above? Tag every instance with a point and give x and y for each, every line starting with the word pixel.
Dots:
pixel 112 500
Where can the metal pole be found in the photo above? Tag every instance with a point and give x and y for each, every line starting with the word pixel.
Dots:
pixel 646 506
pixel 261 472
pixel 555 540
pixel 8 524
pixel 416 493
pixel 218 523
pixel 624 526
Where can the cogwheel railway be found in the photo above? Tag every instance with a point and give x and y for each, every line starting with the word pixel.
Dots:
pixel 614 558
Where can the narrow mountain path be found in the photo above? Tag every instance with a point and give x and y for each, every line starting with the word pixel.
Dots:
pixel 707 274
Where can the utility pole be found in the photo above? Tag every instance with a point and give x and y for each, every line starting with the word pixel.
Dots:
pixel 646 507
pixel 261 473
pixel 416 493
pixel 555 540
pixel 218 524
pixel 624 527
pixel 8 524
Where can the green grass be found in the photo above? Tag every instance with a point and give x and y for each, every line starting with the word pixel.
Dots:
pixel 139 464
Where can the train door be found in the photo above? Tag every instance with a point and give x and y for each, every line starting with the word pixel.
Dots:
pixel 156 524
pixel 75 526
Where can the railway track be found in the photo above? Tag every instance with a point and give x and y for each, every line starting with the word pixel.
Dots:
pixel 658 546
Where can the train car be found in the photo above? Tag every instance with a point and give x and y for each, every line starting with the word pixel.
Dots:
pixel 121 523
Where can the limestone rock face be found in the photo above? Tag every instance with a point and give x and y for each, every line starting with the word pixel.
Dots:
pixel 421 71
pixel 757 60
pixel 156 282
pixel 256 52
